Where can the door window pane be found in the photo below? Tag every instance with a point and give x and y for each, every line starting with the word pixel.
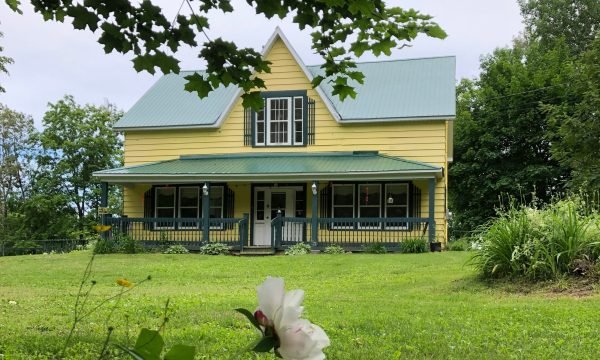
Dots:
pixel 260 205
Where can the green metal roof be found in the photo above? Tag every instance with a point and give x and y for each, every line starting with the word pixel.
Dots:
pixel 399 89
pixel 273 167
pixel 393 90
pixel 167 103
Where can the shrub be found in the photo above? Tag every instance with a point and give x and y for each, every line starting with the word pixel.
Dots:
pixel 298 249
pixel 120 243
pixel 176 249
pixel 334 249
pixel 376 248
pixel 459 245
pixel 540 244
pixel 415 246
pixel 104 247
pixel 214 249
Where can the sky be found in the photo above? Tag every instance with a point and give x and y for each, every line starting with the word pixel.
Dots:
pixel 52 59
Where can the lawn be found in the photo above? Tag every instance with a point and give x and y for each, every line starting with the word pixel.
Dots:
pixel 371 306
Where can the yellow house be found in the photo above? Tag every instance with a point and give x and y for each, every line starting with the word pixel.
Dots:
pixel 306 168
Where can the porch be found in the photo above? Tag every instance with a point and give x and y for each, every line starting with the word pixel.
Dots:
pixel 277 200
pixel 350 233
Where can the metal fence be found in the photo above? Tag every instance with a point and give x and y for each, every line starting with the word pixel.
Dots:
pixel 26 247
pixel 350 233
pixel 189 232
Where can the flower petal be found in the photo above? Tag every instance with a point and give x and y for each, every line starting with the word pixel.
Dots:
pixel 270 296
pixel 303 341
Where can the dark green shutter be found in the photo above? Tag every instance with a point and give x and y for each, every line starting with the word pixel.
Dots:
pixel 247 127
pixel 325 204
pixel 149 208
pixel 228 203
pixel 310 125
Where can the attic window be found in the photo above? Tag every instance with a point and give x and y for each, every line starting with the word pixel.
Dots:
pixel 284 120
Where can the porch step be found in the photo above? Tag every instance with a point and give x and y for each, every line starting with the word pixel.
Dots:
pixel 257 251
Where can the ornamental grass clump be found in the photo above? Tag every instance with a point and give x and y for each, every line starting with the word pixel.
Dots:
pixel 540 244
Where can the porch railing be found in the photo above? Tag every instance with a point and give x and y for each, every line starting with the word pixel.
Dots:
pixel 350 233
pixel 183 231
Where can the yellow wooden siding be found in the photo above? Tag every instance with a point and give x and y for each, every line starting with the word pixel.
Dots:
pixel 424 141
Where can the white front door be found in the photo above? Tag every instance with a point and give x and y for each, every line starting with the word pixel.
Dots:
pixel 268 202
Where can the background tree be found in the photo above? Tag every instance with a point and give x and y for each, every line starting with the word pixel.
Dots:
pixel 577 144
pixel 575 22
pixel 4 60
pixel 76 141
pixel 502 141
pixel 15 162
pixel 341 29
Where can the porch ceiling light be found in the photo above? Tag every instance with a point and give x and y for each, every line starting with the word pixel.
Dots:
pixel 390 200
pixel 314 188
pixel 205 190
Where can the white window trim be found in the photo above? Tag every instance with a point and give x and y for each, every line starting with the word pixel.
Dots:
pixel 370 227
pixel 156 207
pixel 333 206
pixel 407 206
pixel 289 121
pixel 190 207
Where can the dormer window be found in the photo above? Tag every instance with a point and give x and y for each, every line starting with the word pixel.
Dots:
pixel 285 120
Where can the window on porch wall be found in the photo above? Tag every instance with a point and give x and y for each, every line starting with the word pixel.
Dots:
pixel 369 205
pixel 396 205
pixel 185 202
pixel 165 206
pixel 189 206
pixel 343 204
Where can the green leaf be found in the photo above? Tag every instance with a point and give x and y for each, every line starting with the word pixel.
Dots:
pixel 357 76
pixel 14 5
pixel 196 83
pixel 436 31
pixel 317 80
pixel 245 312
pixel 149 344
pixel 82 18
pixel 253 100
pixel 359 47
pixel 343 91
pixel 181 352
pixel 265 344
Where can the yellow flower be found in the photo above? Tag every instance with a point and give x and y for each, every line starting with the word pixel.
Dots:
pixel 102 228
pixel 124 283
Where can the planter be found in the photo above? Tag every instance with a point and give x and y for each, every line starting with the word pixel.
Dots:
pixel 435 246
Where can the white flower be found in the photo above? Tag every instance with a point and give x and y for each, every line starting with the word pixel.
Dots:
pixel 298 338
pixel 12 302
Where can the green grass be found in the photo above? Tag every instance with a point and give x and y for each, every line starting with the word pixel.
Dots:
pixel 371 306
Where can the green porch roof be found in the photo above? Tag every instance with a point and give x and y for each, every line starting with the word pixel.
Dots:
pixel 273 167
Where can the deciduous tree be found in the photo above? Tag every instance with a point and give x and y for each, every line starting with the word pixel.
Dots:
pixel 76 141
pixel 340 29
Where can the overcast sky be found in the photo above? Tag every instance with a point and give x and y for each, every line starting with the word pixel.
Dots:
pixel 52 59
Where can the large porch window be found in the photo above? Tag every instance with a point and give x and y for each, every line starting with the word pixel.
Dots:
pixel 369 205
pixel 383 200
pixel 343 204
pixel 185 202
pixel 396 204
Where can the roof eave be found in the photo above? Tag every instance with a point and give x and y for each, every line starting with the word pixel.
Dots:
pixel 185 178
pixel 397 119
